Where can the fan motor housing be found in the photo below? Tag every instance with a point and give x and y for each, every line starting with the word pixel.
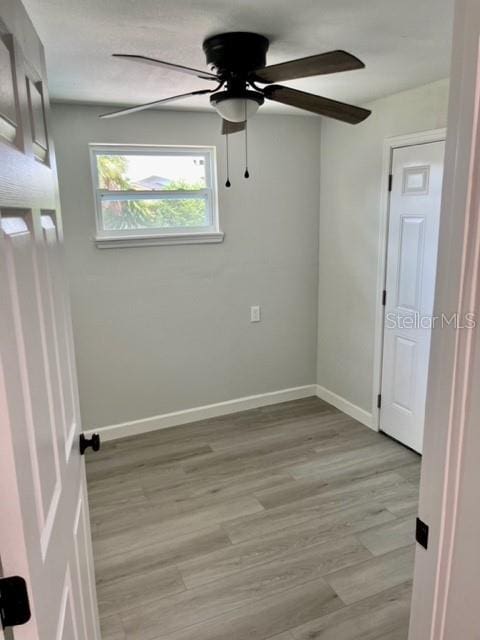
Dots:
pixel 220 96
pixel 238 52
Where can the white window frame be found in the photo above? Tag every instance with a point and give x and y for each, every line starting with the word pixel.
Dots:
pixel 210 233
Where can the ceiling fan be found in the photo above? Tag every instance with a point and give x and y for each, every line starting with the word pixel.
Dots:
pixel 238 65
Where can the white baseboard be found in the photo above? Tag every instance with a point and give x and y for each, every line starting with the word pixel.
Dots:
pixel 347 407
pixel 176 418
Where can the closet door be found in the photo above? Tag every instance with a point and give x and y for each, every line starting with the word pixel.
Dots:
pixel 410 285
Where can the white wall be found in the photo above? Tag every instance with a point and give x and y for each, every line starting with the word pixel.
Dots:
pixel 167 328
pixel 350 187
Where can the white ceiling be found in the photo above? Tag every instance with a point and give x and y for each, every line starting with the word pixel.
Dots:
pixel 404 44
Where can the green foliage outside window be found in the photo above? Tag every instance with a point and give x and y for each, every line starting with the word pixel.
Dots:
pixel 144 214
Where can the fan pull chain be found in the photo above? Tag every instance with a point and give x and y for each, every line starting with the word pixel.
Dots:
pixel 246 174
pixel 227 183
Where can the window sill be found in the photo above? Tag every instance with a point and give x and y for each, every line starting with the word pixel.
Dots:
pixel 116 242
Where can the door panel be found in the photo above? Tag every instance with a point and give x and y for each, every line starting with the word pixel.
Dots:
pixel 410 283
pixel 62 344
pixel 67 621
pixel 43 491
pixel 82 570
pixel 22 277
pixel 8 103
pixel 404 365
pixel 410 267
pixel 38 126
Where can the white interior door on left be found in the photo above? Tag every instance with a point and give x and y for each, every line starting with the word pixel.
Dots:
pixel 44 522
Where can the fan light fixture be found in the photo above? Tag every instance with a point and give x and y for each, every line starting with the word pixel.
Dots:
pixel 234 107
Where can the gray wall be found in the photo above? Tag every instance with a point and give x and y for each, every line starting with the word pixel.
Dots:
pixel 350 186
pixel 166 328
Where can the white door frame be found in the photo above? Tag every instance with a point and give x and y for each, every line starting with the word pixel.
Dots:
pixel 446 589
pixel 389 145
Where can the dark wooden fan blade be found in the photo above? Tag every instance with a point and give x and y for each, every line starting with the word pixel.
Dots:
pixel 316 104
pixel 232 127
pixel 330 62
pixel 147 105
pixel 205 75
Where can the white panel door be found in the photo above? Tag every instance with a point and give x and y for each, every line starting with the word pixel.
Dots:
pixel 44 525
pixel 410 285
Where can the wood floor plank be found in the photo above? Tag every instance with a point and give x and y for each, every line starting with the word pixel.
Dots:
pixel 145 512
pixel 160 554
pixel 111 628
pixel 264 618
pixel 389 536
pixel 101 491
pixel 109 504
pixel 164 475
pixel 404 505
pixel 411 472
pixel 238 557
pixel 125 533
pixel 311 486
pixel 116 454
pixel 384 456
pixel 137 589
pixel 378 489
pixel 283 431
pixel 133 460
pixel 243 527
pixel 312 438
pixel 373 576
pixel 227 487
pixel 247 422
pixel 381 617
pixel 222 464
pixel 182 504
pixel 241 589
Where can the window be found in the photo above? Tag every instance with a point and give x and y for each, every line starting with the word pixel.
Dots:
pixel 154 195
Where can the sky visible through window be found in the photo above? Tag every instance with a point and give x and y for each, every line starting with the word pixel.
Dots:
pixel 176 168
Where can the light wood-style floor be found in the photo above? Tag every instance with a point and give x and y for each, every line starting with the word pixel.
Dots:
pixel 290 522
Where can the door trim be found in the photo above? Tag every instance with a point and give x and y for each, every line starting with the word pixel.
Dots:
pixel 389 145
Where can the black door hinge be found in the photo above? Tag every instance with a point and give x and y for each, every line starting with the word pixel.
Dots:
pixel 384 298
pixel 14 604
pixel 379 401
pixel 421 533
pixel 390 181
